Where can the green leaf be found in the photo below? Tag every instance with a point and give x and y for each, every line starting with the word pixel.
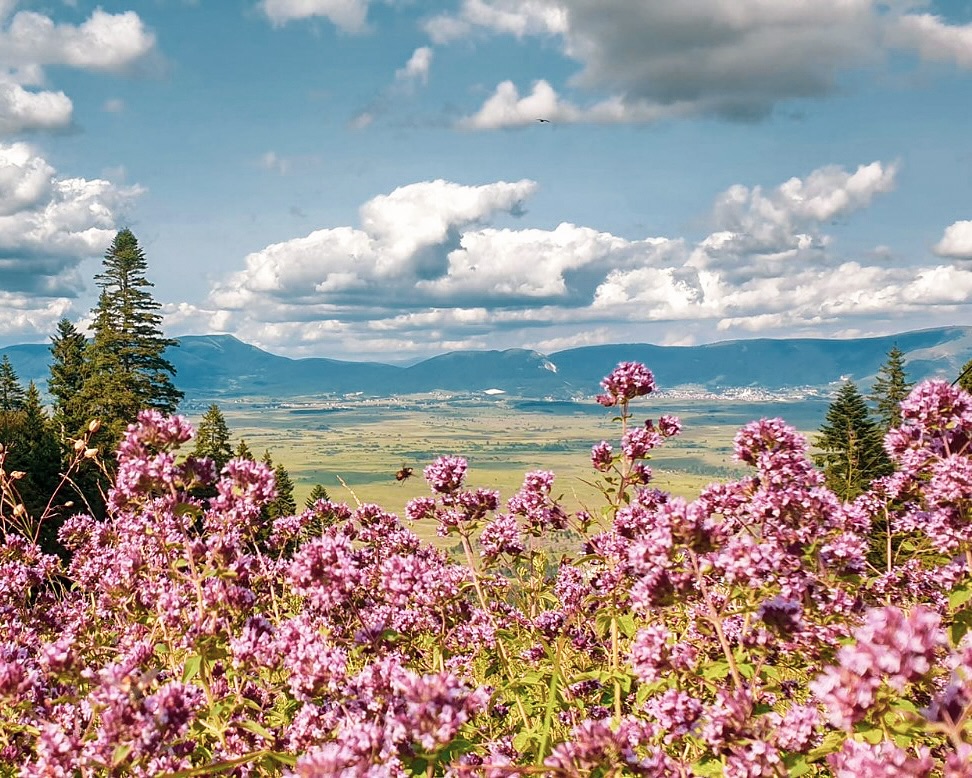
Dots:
pixel 830 744
pixel 796 765
pixel 523 739
pixel 191 668
pixel 627 625
pixel 257 729
pixel 716 670
pixel 707 767
pixel 960 595
pixel 120 754
pixel 872 735
pixel 961 624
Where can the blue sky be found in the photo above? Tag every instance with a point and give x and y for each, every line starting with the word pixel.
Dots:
pixel 368 178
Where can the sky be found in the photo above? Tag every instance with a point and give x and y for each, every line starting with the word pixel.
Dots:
pixel 394 179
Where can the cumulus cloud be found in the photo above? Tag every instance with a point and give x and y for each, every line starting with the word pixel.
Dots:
pixel 736 59
pixel 347 15
pixel 404 238
pixel 22 109
pixel 49 224
pixel 513 17
pixel 934 39
pixel 30 41
pixel 956 242
pixel 785 218
pixel 426 270
pixel 506 108
pixel 106 41
pixel 417 67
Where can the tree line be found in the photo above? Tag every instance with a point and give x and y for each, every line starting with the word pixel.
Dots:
pixel 850 441
pixel 110 377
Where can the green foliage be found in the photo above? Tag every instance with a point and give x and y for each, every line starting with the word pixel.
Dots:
pixel 12 395
pixel 851 448
pixel 213 437
pixel 66 383
pixel 890 388
pixel 243 451
pixel 283 504
pixel 31 451
pixel 127 369
pixel 965 376
pixel 317 493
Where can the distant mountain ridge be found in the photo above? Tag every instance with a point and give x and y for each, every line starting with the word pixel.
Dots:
pixel 222 366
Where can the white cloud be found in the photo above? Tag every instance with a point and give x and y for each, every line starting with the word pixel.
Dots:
pixel 404 238
pixel 347 15
pixel 49 224
pixel 24 317
pixel 506 108
pixel 103 42
pixel 417 67
pixel 737 59
pixel 272 161
pixel 425 271
pixel 934 39
pixel 30 41
pixel 114 105
pixel 512 17
pixel 22 109
pixel 956 242
pixel 784 218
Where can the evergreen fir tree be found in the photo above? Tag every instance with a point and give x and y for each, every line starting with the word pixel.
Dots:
pixel 890 388
pixel 35 452
pixel 12 399
pixel 12 394
pixel 243 451
pixel 284 503
pixel 317 493
pixel 851 448
pixel 127 367
pixel 213 438
pixel 965 377
pixel 66 382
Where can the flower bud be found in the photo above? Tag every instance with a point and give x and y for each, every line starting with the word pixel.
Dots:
pixel 16 475
pixel 78 445
pixel 94 425
pixel 89 453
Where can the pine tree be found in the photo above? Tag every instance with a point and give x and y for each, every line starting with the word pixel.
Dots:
pixel 283 504
pixel 66 383
pixel 35 452
pixel 12 395
pixel 213 438
pixel 965 377
pixel 890 388
pixel 851 446
pixel 317 493
pixel 12 399
pixel 243 451
pixel 127 367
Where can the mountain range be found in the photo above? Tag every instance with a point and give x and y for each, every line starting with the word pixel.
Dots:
pixel 221 366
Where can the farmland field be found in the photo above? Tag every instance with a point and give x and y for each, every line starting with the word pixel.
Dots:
pixel 364 442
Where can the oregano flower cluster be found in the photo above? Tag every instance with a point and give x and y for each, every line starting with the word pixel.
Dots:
pixel 764 628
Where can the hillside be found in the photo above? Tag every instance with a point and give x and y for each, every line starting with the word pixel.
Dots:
pixel 215 366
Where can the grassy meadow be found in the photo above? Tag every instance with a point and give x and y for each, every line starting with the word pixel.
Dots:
pixel 364 442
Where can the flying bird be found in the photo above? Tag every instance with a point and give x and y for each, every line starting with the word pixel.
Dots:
pixel 545 121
